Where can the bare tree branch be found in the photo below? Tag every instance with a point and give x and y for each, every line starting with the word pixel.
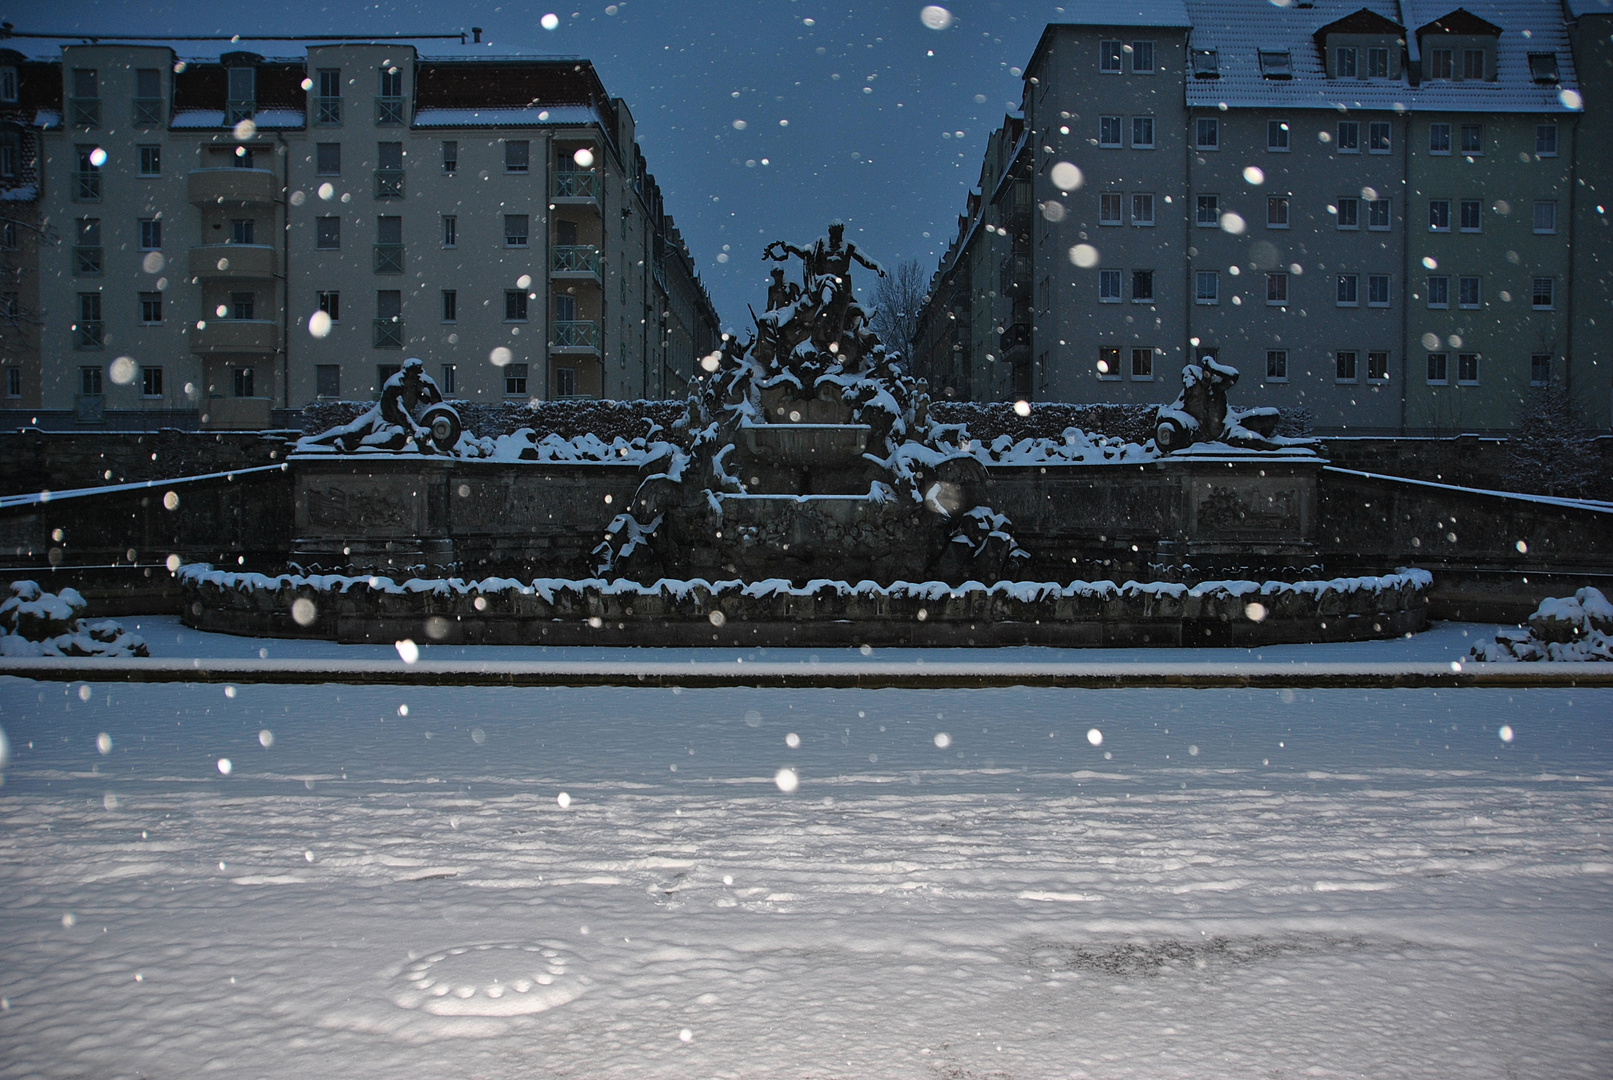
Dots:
pixel 898 297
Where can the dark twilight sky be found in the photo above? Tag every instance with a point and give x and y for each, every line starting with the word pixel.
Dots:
pixel 886 117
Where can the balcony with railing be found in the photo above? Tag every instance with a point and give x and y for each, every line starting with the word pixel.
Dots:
pixel 146 112
pixel 232 187
pixel 389 258
pixel 89 408
pixel 89 335
pixel 574 261
pixel 238 109
pixel 389 111
pixel 84 112
pixel 576 187
pixel 86 186
pixel 574 336
pixel 234 262
pixel 387 333
pixel 1016 340
pixel 389 183
pixel 88 260
pixel 1016 275
pixel 327 111
pixel 235 336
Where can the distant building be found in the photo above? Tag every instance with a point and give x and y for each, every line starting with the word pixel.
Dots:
pixel 257 224
pixel 1377 213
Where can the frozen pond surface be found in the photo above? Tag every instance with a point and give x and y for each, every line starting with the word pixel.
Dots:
pixel 1229 884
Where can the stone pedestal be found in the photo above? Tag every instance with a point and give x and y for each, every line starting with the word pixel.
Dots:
pixel 382 514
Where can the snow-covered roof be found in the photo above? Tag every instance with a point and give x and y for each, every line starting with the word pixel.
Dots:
pixel 283 49
pixel 1576 8
pixel 1240 30
pixel 563 115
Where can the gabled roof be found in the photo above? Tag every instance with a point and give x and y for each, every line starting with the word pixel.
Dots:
pixel 1461 21
pixel 1361 21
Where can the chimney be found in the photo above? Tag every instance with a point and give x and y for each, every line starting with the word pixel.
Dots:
pixel 477 30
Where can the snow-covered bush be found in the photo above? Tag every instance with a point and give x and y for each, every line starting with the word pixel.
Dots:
pixel 1578 627
pixel 37 623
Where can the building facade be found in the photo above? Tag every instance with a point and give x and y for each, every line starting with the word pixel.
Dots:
pixel 241 226
pixel 1372 211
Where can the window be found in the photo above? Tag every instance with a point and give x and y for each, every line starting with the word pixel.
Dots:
pixel 1546 140
pixel 1142 132
pixel 1470 215
pixel 1142 57
pixel 1349 290
pixel 151 382
pixel 1207 287
pixel 1439 291
pixel 1378 214
pixel 1467 368
pixel 328 159
pixel 88 251
pixel 1110 207
pixel 1108 131
pixel 151 161
pixel 1109 286
pixel 1276 289
pixel 8 236
pixel 1539 369
pixel 1377 290
pixel 1436 368
pixel 1209 211
pixel 1439 215
pixel 242 159
pixel 13 381
pixel 1277 212
pixel 10 308
pixel 151 308
pixel 1277 135
pixel 1439 138
pixel 1108 363
pixel 448 382
pixel 1349 137
pixel 328 380
pixel 328 109
pixel 450 156
pixel 515 379
pixel 1467 292
pixel 515 305
pixel 10 153
pixel 243 83
pixel 1276 365
pixel 1377 366
pixel 450 305
pixel 1348 211
pixel 243 231
pixel 517 155
pixel 1441 64
pixel 8 85
pixel 1109 53
pixel 1378 137
pixel 1344 63
pixel 1276 65
pixel 1142 209
pixel 1473 138
pixel 150 234
pixel 1545 216
pixel 1472 63
pixel 1377 63
pixel 450 230
pixel 1344 365
pixel 1544 293
pixel 1543 67
pixel 1207 133
pixel 515 230
pixel 1142 286
pixel 89 381
pixel 388 326
pixel 87 331
pixel 384 373
pixel 1142 363
pixel 391 81
pixel 243 381
pixel 565 382
pixel 243 305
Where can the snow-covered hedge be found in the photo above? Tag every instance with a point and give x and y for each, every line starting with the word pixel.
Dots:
pixel 1570 628
pixel 37 623
pixel 606 420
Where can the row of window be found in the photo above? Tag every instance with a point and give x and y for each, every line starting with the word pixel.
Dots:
pixel 241 89
pixel 328 379
pixel 327 157
pixel 1348 366
pixel 1348 291
pixel 1443 138
pixel 389 305
pixel 1346 211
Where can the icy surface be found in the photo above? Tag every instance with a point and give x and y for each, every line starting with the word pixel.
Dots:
pixel 366 881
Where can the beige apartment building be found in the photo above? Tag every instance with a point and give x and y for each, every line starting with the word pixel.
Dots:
pixel 233 228
pixel 1372 211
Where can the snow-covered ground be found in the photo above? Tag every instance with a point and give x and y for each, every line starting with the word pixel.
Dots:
pixel 962 883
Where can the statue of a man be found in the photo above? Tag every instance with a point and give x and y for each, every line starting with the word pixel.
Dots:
pixel 832 259
pixel 781 293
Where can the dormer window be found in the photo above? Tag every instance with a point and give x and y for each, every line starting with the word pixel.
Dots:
pixel 243 94
pixel 1344 62
pixel 1459 45
pixel 1378 63
pixel 1205 64
pixel 8 85
pixel 1472 63
pixel 1276 65
pixel 1441 64
pixel 1542 67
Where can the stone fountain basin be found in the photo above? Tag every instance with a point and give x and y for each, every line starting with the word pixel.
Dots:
pixel 821 445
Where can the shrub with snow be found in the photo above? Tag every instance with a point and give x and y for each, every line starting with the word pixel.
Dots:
pixel 1573 628
pixel 37 623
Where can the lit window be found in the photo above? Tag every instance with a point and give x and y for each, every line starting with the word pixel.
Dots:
pixel 1108 363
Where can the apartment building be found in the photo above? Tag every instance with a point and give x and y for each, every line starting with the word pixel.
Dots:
pixel 238 226
pixel 1370 211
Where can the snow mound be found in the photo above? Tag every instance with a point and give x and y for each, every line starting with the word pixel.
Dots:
pixel 1563 628
pixel 37 623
